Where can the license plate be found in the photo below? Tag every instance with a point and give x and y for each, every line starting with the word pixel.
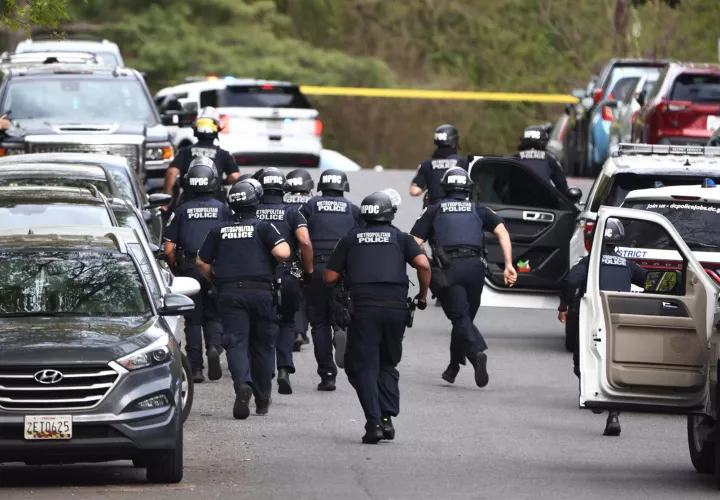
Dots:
pixel 713 122
pixel 48 427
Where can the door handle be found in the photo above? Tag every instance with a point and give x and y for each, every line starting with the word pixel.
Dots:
pixel 539 216
pixel 670 306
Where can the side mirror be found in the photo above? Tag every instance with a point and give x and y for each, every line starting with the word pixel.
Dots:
pixel 158 200
pixel 578 93
pixel 147 216
pixel 185 286
pixel 575 194
pixel 176 304
pixel 641 99
pixel 170 118
pixel 612 104
pixel 588 102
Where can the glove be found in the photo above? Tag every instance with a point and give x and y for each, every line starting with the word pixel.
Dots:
pixel 307 277
pixel 421 302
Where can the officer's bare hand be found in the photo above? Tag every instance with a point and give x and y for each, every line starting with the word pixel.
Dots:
pixel 562 316
pixel 510 275
pixel 421 302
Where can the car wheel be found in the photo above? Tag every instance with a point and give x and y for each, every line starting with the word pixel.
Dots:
pixel 702 453
pixel 166 466
pixel 187 389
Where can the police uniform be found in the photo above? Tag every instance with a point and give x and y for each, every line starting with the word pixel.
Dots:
pixel 329 218
pixel 187 228
pixel 456 226
pixel 431 171
pixel 243 267
pixel 288 220
pixel 545 165
pixel 224 161
pixel 302 323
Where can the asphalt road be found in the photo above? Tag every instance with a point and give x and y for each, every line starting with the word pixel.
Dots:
pixel 522 437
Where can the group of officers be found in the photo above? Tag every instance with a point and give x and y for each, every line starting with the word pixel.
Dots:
pixel 271 258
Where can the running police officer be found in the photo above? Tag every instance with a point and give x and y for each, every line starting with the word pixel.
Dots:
pixel 455 230
pixel 240 256
pixel 293 226
pixel 431 171
pixel 533 153
pixel 299 187
pixel 617 274
pixel 373 261
pixel 330 216
pixel 185 232
pixel 206 128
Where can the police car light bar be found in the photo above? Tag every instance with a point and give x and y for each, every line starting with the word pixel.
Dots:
pixel 665 149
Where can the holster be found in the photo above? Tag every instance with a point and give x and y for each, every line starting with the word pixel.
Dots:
pixel 411 306
pixel 438 280
pixel 185 260
pixel 340 307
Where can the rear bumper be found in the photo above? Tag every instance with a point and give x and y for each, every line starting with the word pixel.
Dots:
pixel 242 144
pixel 277 159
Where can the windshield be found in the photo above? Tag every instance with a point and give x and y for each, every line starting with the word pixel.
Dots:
pixel 255 97
pixel 61 214
pixel 696 88
pixel 696 222
pixel 102 186
pixel 70 283
pixel 124 184
pixel 64 100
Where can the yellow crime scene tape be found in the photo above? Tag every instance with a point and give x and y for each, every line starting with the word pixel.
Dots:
pixel 439 94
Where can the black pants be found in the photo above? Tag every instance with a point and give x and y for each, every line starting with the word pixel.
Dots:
pixel 204 320
pixel 460 303
pixel 301 316
pixel 249 329
pixel 291 294
pixel 321 322
pixel 374 349
pixel 573 326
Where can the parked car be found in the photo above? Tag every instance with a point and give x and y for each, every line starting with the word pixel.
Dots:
pixel 587 140
pixel 108 51
pixel 25 59
pixel 557 133
pixel 684 107
pixel 263 123
pixel 333 159
pixel 626 110
pixel 47 174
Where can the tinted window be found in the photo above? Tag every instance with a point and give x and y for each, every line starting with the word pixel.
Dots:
pixel 60 214
pixel 71 283
pixel 696 88
pixel 259 97
pixel 624 183
pixel 102 186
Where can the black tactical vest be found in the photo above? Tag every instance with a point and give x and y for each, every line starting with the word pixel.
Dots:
pixel 456 223
pixel 241 253
pixel 536 160
pixel 375 256
pixel 296 200
pixel 199 217
pixel 437 166
pixel 277 214
pixel 331 218
pixel 615 273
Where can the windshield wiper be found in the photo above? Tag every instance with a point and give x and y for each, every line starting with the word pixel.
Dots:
pixel 46 314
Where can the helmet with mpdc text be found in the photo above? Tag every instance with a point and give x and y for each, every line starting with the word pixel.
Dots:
pixel 447 136
pixel 299 181
pixel 333 180
pixel 535 137
pixel 614 231
pixel 244 194
pixel 380 206
pixel 456 179
pixel 272 180
pixel 202 176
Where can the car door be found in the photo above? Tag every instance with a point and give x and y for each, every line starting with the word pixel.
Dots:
pixel 538 217
pixel 647 351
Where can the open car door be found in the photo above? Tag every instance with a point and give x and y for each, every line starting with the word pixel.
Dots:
pixel 539 218
pixel 647 351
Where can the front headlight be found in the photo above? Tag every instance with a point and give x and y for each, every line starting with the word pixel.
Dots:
pixel 157 353
pixel 157 153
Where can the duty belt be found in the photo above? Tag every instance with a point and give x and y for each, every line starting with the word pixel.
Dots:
pixel 247 285
pixel 462 253
pixel 389 304
pixel 321 258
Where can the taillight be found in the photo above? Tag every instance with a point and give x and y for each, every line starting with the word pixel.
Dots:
pixel 589 225
pixel 597 95
pixel 318 128
pixel 224 124
pixel 673 106
pixel 607 114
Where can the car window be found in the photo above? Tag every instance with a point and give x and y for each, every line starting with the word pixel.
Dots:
pixel 147 270
pixel 71 283
pixel 623 88
pixel 261 96
pixel 123 180
pixel 620 73
pixel 624 183
pixel 60 214
pixel 102 186
pixel 108 58
pixel 696 88
pixel 601 189
pixel 209 98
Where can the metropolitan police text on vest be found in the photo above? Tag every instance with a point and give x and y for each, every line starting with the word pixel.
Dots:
pixel 374 237
pixel 202 213
pixel 456 206
pixel 234 232
pixel 331 206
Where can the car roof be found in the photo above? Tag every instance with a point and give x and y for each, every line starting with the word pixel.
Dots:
pixel 218 84
pixel 706 194
pixel 94 172
pixel 40 42
pixel 646 159
pixel 60 158
pixel 50 194
pixel 64 69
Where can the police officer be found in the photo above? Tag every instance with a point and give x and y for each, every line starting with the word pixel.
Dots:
pixel 293 226
pixel 185 232
pixel 455 227
pixel 206 128
pixel 617 274
pixel 533 153
pixel 299 187
pixel 373 260
pixel 330 216
pixel 240 256
pixel 431 171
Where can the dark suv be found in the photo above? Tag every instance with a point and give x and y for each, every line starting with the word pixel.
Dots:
pixel 89 370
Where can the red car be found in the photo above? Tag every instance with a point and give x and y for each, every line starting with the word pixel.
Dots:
pixel 683 108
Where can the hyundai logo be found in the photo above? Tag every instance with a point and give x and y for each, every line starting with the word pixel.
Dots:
pixel 48 376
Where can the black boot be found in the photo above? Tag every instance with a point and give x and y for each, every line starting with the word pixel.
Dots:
pixel 214 368
pixel 387 428
pixel 373 432
pixel 612 426
pixel 243 393
pixel 197 376
pixel 480 364
pixel 450 373
pixel 284 386
pixel 262 406
pixel 327 384
pixel 299 341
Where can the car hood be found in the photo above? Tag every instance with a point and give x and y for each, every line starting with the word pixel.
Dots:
pixel 39 127
pixel 70 340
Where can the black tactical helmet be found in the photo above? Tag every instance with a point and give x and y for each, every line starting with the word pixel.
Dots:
pixel 244 194
pixel 446 135
pixel 614 231
pixel 244 177
pixel 456 179
pixel 260 171
pixel 207 124
pixel 299 181
pixel 535 137
pixel 380 206
pixel 333 180
pixel 272 180
pixel 202 176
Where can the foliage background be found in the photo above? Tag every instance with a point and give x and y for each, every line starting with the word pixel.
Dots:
pixel 502 45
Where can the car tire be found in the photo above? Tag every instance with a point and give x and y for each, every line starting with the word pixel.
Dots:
pixel 702 453
pixel 187 389
pixel 166 466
